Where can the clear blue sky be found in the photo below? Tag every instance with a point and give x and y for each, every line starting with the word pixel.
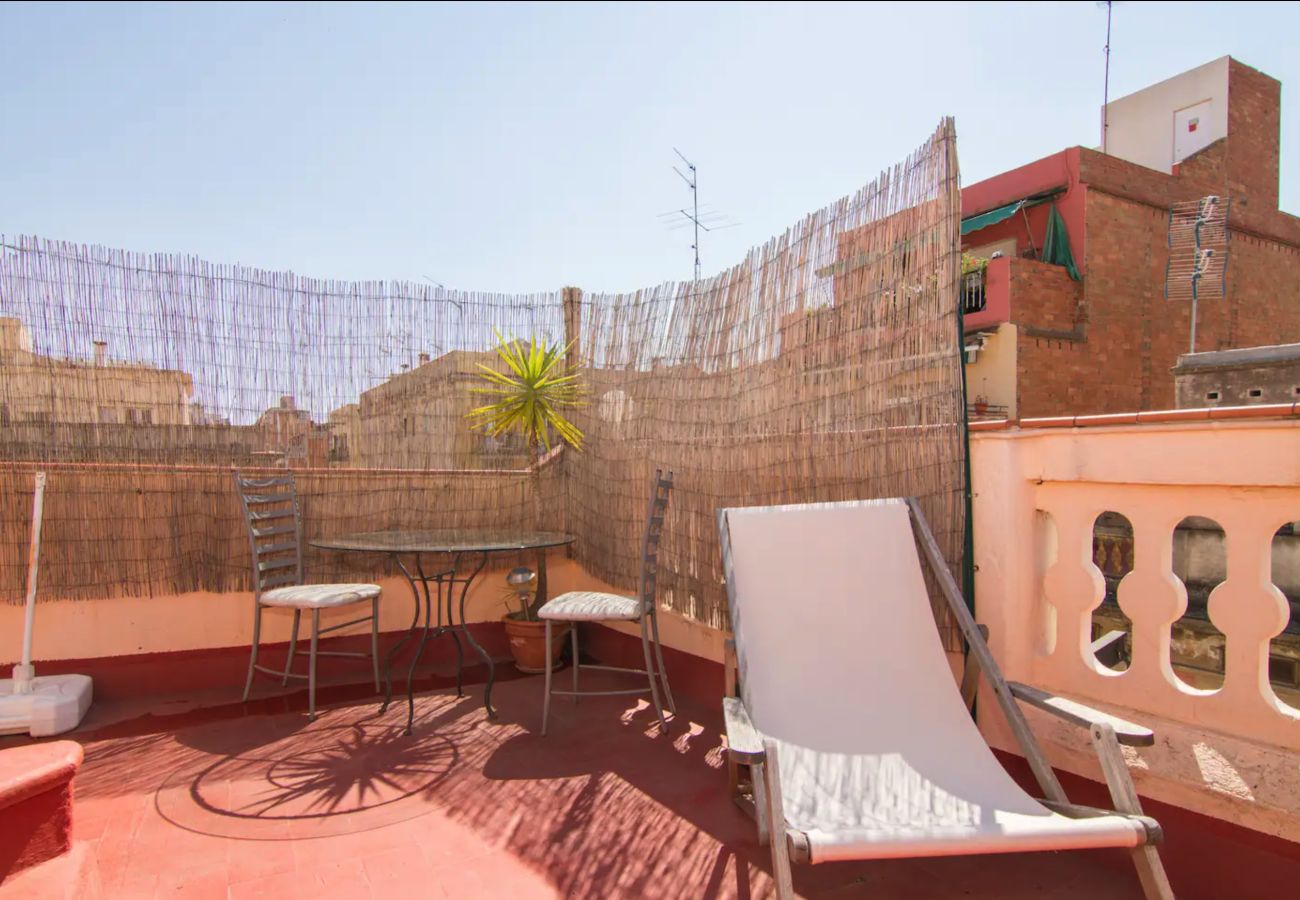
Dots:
pixel 511 147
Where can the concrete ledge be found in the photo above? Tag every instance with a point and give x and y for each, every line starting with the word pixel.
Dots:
pixel 1213 774
pixel 35 769
pixel 36 803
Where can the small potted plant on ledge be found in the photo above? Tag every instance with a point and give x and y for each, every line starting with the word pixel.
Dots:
pixel 529 393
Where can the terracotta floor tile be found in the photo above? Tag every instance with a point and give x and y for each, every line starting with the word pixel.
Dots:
pixel 203 884
pixel 134 886
pixel 239 803
pixel 251 860
pixel 289 886
pixel 398 864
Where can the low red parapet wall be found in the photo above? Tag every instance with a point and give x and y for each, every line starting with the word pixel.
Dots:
pixel 36 803
pixel 209 671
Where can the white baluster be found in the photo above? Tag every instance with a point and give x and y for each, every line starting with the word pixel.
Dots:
pixel 1153 598
pixel 1072 585
pixel 1250 611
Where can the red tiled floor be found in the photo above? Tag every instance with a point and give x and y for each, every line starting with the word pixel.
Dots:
pixel 229 804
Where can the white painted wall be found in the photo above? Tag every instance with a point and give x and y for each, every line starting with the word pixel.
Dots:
pixel 993 373
pixel 1146 125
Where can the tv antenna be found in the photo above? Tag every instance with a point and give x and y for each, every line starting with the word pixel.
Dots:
pixel 1198 252
pixel 1105 86
pixel 708 220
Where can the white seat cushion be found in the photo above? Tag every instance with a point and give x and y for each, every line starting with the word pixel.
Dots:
pixel 591 606
pixel 319 596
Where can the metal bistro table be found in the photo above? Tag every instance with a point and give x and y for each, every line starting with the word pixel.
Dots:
pixel 468 549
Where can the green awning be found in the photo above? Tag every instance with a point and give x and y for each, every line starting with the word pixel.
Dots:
pixel 992 217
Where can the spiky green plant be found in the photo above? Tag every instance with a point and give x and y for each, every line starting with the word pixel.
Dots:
pixel 530 395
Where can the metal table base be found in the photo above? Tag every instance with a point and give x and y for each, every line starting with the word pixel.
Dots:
pixel 445 582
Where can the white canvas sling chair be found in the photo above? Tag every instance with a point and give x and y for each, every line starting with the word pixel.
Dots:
pixel 852 723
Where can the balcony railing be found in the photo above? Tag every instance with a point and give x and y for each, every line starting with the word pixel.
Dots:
pixel 979 411
pixel 1040 584
pixel 972 292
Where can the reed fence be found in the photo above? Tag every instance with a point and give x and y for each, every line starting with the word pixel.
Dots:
pixel 824 366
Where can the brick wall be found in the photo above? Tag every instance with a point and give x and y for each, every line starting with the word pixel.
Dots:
pixel 1048 309
pixel 1128 336
pixel 1057 298
pixel 1124 179
pixel 1108 365
pixel 1254 127
pixel 1206 169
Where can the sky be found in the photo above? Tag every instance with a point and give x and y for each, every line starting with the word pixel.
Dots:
pixel 526 147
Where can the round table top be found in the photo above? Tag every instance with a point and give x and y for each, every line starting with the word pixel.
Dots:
pixel 446 540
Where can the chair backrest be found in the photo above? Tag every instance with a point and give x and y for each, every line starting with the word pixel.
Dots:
pixel 274 521
pixel 661 489
pixel 836 642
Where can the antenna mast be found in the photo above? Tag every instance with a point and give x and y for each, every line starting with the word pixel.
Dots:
pixel 708 220
pixel 1105 89
pixel 694 215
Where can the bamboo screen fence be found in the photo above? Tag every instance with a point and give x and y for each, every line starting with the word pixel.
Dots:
pixel 824 366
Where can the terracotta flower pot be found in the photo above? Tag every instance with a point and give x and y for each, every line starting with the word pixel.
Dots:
pixel 528 644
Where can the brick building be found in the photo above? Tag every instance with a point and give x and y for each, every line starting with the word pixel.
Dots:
pixel 1042 342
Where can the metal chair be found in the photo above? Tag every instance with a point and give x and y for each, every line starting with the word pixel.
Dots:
pixel 274 520
pixel 592 606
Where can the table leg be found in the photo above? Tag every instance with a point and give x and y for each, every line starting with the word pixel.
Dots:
pixel 419 648
pixel 542 595
pixel 441 579
pixel 455 638
pixel 392 651
pixel 410 673
pixel 464 593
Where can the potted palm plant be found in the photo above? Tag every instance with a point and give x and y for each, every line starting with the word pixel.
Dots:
pixel 529 392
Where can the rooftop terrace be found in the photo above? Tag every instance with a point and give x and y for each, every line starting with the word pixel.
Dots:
pixel 255 801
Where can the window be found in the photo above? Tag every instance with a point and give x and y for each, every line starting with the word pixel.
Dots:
pixel 1255 393
pixel 4 412
pixel 146 417
pixel 1211 395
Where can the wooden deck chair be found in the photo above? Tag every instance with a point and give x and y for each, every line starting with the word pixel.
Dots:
pixel 851 722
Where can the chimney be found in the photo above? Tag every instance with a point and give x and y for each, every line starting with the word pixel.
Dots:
pixel 101 353
pixel 405 366
pixel 424 359
pixel 286 401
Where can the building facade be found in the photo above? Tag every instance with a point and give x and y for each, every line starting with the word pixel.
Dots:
pixel 40 389
pixel 1045 341
pixel 418 418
